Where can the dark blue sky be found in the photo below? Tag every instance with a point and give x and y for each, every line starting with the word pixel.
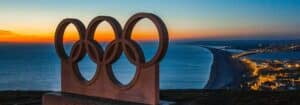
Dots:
pixel 220 19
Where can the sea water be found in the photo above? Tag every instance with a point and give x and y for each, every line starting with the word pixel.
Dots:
pixel 37 67
pixel 289 55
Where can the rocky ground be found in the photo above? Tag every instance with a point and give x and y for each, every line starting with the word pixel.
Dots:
pixel 21 97
pixel 182 97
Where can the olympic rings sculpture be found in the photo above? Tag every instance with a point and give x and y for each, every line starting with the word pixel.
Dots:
pixel 146 74
pixel 122 39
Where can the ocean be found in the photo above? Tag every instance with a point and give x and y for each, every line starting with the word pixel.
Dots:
pixel 292 55
pixel 37 67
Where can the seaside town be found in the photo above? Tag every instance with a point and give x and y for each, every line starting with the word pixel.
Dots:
pixel 272 74
pixel 266 74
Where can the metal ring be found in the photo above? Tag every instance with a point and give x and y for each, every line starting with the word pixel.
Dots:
pixel 77 50
pixel 116 52
pixel 162 31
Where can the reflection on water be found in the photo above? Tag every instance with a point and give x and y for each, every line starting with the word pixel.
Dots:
pixel 37 67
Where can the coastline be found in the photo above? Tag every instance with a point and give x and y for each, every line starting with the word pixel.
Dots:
pixel 223 87
pixel 226 72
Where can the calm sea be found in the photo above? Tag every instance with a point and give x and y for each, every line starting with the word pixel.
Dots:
pixel 37 67
pixel 277 56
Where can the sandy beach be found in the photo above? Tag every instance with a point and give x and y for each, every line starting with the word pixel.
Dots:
pixel 226 72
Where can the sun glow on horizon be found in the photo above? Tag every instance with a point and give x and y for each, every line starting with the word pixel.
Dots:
pixel 34 21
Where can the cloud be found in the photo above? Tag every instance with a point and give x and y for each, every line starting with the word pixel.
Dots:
pixel 6 33
pixel 7 36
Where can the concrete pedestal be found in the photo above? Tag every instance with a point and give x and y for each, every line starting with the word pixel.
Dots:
pixel 73 99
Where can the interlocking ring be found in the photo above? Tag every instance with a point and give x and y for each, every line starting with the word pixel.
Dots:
pixel 163 39
pixel 122 41
pixel 112 52
pixel 77 51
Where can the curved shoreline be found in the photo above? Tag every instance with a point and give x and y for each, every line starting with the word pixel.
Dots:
pixel 226 72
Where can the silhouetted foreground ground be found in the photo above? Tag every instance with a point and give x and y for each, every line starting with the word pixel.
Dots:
pixel 181 97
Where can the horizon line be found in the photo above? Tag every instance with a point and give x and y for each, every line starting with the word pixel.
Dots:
pixel 150 41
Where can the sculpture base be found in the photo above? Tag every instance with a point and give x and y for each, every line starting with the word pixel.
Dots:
pixel 73 99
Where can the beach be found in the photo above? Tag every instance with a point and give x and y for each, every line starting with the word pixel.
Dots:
pixel 226 72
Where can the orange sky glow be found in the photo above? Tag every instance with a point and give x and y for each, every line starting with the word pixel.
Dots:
pixel 34 21
pixel 107 35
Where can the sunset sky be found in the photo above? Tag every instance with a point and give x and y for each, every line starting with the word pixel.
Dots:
pixel 36 20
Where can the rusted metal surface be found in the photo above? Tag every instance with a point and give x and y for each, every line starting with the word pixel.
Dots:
pixel 144 88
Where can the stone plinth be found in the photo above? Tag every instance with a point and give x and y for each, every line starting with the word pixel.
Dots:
pixel 73 99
